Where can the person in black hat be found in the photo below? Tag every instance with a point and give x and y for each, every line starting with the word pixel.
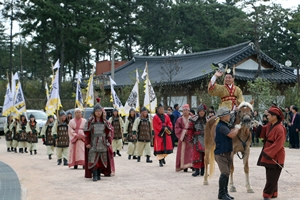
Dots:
pixel 8 133
pixel 223 150
pixel 47 137
pixel 142 129
pixel 32 130
pixel 199 123
pixel 69 115
pixel 118 125
pixel 99 158
pixel 22 135
pixel 162 127
pixel 131 151
pixel 61 136
pixel 231 96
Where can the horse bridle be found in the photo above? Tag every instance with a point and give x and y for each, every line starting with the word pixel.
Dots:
pixel 244 143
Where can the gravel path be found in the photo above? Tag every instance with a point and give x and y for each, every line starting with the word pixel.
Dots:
pixel 43 179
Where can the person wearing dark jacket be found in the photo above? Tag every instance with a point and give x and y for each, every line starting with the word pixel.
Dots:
pixel 295 127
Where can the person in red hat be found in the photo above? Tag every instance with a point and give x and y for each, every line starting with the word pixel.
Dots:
pixel 272 155
pixel 183 130
pixel 199 122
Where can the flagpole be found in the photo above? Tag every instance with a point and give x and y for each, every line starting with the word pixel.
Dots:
pixel 147 85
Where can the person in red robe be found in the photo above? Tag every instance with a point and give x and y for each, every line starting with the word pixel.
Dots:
pixel 199 122
pixel 162 127
pixel 272 155
pixel 183 130
pixel 99 157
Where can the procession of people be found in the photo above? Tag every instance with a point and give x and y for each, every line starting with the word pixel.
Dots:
pixel 95 143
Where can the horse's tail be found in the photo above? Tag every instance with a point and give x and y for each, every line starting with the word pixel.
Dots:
pixel 212 161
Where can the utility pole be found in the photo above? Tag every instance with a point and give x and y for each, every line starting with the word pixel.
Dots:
pixel 11 37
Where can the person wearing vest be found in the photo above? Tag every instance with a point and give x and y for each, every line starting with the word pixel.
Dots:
pixel 223 150
pixel 118 125
pixel 128 134
pixel 231 96
pixel 14 127
pixel 273 154
pixel 99 156
pixel 61 136
pixel 199 122
pixel 8 125
pixel 22 135
pixel 162 127
pixel 32 130
pixel 47 136
pixel 142 129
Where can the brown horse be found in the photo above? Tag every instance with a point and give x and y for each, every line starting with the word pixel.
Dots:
pixel 241 143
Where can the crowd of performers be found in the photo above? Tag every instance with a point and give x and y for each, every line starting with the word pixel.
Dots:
pixel 94 143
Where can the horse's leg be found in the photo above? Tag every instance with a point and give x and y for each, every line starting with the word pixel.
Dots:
pixel 206 160
pixel 231 184
pixel 246 169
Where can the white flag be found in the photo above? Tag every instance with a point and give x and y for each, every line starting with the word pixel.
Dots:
pixel 150 100
pixel 79 99
pixel 54 102
pixel 56 66
pixel 116 101
pixel 133 100
pixel 137 76
pixel 47 91
pixel 19 101
pixel 89 100
pixel 8 105
pixel 14 78
pixel 145 71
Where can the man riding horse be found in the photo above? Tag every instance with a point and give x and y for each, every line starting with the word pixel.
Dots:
pixel 231 96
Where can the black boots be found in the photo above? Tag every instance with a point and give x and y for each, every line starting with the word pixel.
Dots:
pixel 185 170
pixel 35 152
pixel 30 152
pixel 94 172
pixel 15 150
pixel 223 184
pixel 26 150
pixel 202 171
pixel 226 189
pixel 118 153
pixel 134 157
pixel 65 162
pixel 164 161
pixel 138 159
pixel 21 150
pixel 11 149
pixel 75 166
pixel 49 156
pixel 129 157
pixel 98 174
pixel 114 154
pixel 59 161
pixel 196 172
pixel 148 159
pixel 161 164
pixel 8 150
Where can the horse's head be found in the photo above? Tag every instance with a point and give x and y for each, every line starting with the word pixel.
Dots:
pixel 245 114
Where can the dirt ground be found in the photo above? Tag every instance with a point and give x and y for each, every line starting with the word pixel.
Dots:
pixel 43 179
